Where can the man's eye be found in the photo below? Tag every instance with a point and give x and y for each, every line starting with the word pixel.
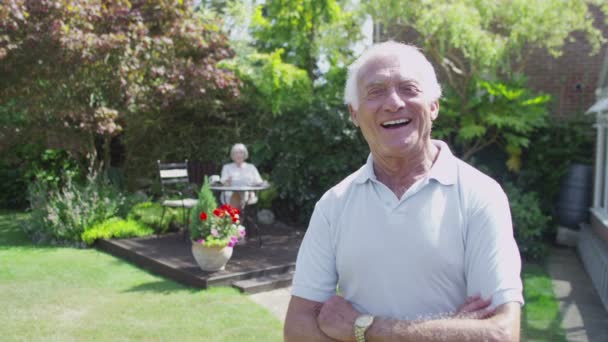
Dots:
pixel 376 91
pixel 409 89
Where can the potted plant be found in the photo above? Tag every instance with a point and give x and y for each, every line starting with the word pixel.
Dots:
pixel 214 235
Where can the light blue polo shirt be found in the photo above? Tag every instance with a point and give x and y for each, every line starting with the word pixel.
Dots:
pixel 449 237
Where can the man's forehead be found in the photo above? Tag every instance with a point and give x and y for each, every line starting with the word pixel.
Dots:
pixel 385 68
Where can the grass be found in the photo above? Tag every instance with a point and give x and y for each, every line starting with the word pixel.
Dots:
pixel 541 318
pixel 67 294
pixel 56 293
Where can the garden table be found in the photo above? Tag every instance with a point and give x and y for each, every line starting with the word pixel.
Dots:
pixel 219 187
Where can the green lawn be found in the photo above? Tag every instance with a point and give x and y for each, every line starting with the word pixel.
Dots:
pixel 67 294
pixel 64 294
pixel 540 317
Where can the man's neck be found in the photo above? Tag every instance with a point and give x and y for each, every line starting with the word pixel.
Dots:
pixel 399 174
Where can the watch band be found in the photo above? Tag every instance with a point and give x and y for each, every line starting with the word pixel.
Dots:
pixel 362 323
pixel 360 334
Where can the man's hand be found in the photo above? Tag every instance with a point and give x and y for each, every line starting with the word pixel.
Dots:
pixel 475 308
pixel 337 318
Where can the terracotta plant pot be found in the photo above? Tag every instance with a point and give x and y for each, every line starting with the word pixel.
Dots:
pixel 211 259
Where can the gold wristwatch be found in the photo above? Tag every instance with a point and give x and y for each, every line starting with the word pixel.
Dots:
pixel 362 323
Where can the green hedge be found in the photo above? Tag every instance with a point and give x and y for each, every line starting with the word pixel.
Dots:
pixel 149 213
pixel 116 228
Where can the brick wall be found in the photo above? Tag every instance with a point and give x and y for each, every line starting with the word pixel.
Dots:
pixel 572 78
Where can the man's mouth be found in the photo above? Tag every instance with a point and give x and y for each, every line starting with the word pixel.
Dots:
pixel 395 123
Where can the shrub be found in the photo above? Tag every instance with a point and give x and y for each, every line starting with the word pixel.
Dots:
pixel 150 67
pixel 552 150
pixel 149 213
pixel 115 228
pixel 62 214
pixel 12 187
pixel 206 202
pixel 500 113
pixel 309 152
pixel 529 222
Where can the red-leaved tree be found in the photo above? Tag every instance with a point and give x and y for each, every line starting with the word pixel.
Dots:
pixel 76 73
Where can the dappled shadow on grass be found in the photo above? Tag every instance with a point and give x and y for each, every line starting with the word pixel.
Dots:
pixel 161 286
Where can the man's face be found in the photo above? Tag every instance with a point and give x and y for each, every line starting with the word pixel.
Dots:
pixel 394 114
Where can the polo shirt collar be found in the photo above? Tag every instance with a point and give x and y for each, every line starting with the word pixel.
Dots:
pixel 443 170
pixel 367 171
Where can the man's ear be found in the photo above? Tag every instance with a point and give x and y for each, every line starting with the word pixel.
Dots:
pixel 353 115
pixel 434 110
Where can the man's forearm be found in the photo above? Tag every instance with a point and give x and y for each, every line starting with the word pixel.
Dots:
pixel 502 327
pixel 301 322
pixel 436 330
pixel 306 329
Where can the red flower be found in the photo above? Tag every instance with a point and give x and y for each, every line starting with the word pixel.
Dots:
pixel 234 219
pixel 218 212
pixel 203 216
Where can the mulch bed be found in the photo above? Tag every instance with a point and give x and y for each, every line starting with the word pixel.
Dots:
pixel 169 255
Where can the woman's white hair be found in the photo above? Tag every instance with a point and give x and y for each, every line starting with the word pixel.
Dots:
pixel 409 55
pixel 239 148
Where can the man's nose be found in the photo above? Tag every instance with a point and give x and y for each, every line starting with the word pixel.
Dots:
pixel 394 102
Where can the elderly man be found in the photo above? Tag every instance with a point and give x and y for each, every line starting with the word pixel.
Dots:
pixel 418 244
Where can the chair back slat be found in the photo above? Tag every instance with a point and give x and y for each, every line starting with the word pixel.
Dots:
pixel 175 180
pixel 169 166
pixel 173 173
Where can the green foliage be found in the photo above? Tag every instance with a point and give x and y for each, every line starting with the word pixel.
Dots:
pixel 12 186
pixel 267 196
pixel 206 203
pixel 149 213
pixel 493 113
pixel 52 168
pixel 552 150
pixel 272 86
pixel 472 38
pixel 115 228
pixel 62 214
pixel 305 29
pixel 529 222
pixel 309 152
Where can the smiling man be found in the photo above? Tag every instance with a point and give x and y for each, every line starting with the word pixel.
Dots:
pixel 419 243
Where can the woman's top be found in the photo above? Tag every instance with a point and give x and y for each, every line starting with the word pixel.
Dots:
pixel 246 174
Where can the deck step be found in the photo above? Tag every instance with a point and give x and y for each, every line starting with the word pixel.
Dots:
pixel 264 283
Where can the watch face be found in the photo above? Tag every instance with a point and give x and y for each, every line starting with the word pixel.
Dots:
pixel 364 321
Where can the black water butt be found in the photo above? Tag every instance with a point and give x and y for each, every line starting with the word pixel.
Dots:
pixel 575 196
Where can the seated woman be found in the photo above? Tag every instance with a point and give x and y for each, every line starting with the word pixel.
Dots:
pixel 239 173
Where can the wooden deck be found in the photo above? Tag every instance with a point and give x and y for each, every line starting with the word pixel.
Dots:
pixel 170 256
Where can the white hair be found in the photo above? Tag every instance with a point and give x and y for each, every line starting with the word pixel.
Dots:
pixel 408 55
pixel 239 148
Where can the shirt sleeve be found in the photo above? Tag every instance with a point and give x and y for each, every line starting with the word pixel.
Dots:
pixel 492 259
pixel 225 173
pixel 316 276
pixel 257 179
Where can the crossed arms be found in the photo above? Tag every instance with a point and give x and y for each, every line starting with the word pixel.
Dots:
pixel 333 321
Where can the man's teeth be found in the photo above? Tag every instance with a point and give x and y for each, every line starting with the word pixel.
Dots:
pixel 396 122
